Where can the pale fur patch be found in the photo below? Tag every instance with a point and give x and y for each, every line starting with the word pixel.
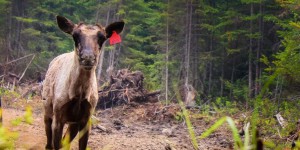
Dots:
pixel 61 83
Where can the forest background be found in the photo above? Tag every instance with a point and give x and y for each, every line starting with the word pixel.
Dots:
pixel 220 48
pixel 228 52
pixel 241 53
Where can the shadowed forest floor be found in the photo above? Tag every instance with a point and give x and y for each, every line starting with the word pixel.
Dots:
pixel 147 126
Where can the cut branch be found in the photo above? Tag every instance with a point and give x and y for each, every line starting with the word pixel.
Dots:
pixel 7 63
pixel 26 68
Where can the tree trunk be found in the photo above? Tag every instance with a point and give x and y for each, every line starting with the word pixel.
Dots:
pixel 258 52
pixel 210 77
pixel 250 58
pixel 188 42
pixel 261 42
pixel 210 63
pixel 167 58
pixel 112 58
pixel 235 46
pixel 222 73
pixel 232 80
pixel 188 46
pixel 100 65
pixel 110 67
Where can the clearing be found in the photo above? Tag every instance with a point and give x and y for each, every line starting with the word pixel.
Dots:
pixel 137 126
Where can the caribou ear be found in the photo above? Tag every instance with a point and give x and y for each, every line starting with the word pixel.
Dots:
pixel 116 26
pixel 65 24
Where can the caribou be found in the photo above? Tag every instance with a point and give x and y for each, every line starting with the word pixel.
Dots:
pixel 70 90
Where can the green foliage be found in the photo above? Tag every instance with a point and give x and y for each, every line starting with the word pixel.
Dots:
pixel 239 89
pixel 7 137
pixel 31 32
pixel 4 9
pixel 188 122
pixel 27 118
pixel 27 20
pixel 297 144
pixel 142 51
pixel 225 107
pixel 66 144
pixel 286 61
pixel 237 139
pixel 220 36
pixel 8 94
pixel 35 29
pixel 179 116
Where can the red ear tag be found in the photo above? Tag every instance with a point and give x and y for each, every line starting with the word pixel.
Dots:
pixel 115 38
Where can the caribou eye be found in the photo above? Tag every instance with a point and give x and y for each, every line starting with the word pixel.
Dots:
pixel 101 38
pixel 76 38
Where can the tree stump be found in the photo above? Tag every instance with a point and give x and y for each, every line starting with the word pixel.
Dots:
pixel 123 88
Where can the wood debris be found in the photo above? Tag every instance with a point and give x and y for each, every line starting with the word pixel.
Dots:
pixel 280 120
pixel 125 87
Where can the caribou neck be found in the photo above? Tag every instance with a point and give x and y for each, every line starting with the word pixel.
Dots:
pixel 82 79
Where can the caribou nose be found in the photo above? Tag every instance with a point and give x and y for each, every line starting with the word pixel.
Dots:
pixel 88 59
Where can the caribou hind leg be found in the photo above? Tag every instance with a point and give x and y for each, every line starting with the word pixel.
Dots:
pixel 85 129
pixel 84 125
pixel 48 129
pixel 71 132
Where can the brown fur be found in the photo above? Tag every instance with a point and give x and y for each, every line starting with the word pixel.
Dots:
pixel 70 87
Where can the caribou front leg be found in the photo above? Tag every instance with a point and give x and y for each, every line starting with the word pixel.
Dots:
pixel 57 130
pixel 48 129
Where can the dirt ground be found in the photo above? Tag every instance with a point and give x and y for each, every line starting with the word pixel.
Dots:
pixel 147 126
